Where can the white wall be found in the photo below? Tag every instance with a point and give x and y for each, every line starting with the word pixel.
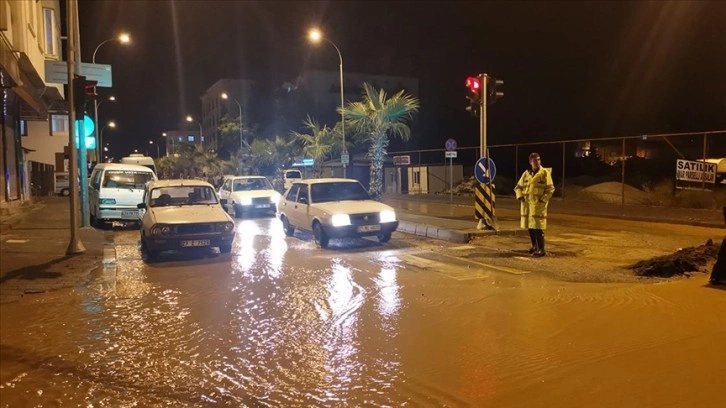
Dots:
pixel 45 145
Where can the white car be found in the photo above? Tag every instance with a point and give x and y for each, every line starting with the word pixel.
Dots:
pixel 335 208
pixel 246 194
pixel 183 214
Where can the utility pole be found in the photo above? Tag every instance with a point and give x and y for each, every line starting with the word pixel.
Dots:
pixel 75 246
pixel 83 151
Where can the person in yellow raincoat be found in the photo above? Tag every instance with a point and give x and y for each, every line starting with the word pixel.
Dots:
pixel 534 190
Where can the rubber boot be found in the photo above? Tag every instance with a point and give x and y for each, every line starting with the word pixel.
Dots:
pixel 540 244
pixel 533 238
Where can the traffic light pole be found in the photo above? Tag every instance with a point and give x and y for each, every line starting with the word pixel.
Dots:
pixel 83 149
pixel 75 246
pixel 483 78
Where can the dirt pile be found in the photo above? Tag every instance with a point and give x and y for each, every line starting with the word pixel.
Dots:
pixel 612 192
pixel 683 261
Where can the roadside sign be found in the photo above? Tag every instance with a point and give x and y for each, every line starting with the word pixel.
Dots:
pixel 308 162
pixel 485 170
pixel 450 155
pixel 402 160
pixel 695 171
pixel 450 145
pixel 56 72
pixel 345 158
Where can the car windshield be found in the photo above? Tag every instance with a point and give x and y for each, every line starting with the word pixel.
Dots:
pixel 251 184
pixel 338 191
pixel 126 179
pixel 293 175
pixel 182 195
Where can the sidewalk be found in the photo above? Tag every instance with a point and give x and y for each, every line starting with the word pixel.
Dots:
pixel 33 244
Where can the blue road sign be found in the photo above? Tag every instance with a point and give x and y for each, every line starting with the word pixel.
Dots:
pixel 485 170
pixel 450 145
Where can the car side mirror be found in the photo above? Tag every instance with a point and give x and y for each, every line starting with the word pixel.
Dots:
pixel 141 206
pixel 303 200
pixel 223 201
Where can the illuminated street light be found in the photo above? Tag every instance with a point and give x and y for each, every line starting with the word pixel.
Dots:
pixel 225 96
pixel 190 119
pixel 158 154
pixel 123 38
pixel 316 36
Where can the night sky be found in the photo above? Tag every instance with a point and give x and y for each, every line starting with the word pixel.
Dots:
pixel 571 69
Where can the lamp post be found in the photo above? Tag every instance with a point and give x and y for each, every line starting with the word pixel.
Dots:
pixel 110 124
pixel 123 38
pixel 166 143
pixel 110 98
pixel 158 153
pixel 316 36
pixel 190 119
pixel 225 96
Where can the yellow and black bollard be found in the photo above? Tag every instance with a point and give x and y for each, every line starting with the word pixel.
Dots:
pixel 484 206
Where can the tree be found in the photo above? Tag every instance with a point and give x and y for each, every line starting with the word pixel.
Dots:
pixel 317 144
pixel 229 136
pixel 373 120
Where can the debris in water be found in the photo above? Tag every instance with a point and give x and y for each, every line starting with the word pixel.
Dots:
pixel 691 259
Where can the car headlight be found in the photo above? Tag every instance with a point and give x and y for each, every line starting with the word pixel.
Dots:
pixel 160 229
pixel 107 201
pixel 225 227
pixel 274 198
pixel 245 201
pixel 388 216
pixel 340 220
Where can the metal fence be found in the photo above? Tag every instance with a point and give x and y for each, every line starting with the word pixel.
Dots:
pixel 634 161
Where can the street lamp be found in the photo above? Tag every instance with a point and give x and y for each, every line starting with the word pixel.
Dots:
pixel 110 98
pixel 190 119
pixel 110 124
pixel 315 37
pixel 123 38
pixel 158 154
pixel 225 96
pixel 166 143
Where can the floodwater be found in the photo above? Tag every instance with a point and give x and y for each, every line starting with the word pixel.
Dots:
pixel 280 323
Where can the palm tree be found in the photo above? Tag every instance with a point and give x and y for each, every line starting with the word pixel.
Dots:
pixel 317 144
pixel 375 118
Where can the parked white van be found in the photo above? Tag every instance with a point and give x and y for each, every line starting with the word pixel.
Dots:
pixel 140 159
pixel 114 191
pixel 289 177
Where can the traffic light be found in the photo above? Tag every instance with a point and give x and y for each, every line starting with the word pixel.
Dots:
pixel 473 95
pixel 495 90
pixel 83 90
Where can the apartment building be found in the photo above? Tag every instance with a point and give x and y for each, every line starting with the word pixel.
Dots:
pixel 30 135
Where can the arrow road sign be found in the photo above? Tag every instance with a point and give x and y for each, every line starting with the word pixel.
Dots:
pixel 485 170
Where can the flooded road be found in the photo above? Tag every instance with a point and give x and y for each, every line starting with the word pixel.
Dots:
pixel 280 323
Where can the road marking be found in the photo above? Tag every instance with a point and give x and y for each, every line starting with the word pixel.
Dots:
pixel 17 241
pixel 463 248
pixel 486 265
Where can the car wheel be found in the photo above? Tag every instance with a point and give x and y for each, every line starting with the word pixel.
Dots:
pixel 225 249
pixel 237 211
pixel 147 255
pixel 289 228
pixel 384 237
pixel 321 238
pixel 65 192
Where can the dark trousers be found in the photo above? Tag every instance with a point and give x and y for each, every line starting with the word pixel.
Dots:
pixel 538 240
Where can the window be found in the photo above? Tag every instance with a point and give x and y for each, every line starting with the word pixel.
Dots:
pixel 190 138
pixel 50 32
pixel 23 128
pixel 59 125
pixel 180 139
pixel 202 139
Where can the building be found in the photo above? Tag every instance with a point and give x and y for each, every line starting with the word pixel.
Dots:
pixel 215 107
pixel 29 35
pixel 176 140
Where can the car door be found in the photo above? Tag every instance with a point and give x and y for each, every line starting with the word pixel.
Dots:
pixel 302 207
pixel 226 190
pixel 289 203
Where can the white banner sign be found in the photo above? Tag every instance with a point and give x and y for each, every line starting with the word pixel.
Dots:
pixel 700 172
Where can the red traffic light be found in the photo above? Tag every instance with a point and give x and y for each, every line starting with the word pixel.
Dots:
pixel 89 88
pixel 473 84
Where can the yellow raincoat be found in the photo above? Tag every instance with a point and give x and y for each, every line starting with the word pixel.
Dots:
pixel 536 189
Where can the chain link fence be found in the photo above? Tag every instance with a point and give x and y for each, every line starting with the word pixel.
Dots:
pixel 627 170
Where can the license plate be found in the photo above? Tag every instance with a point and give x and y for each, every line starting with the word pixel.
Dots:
pixel 369 228
pixel 129 214
pixel 262 206
pixel 195 243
